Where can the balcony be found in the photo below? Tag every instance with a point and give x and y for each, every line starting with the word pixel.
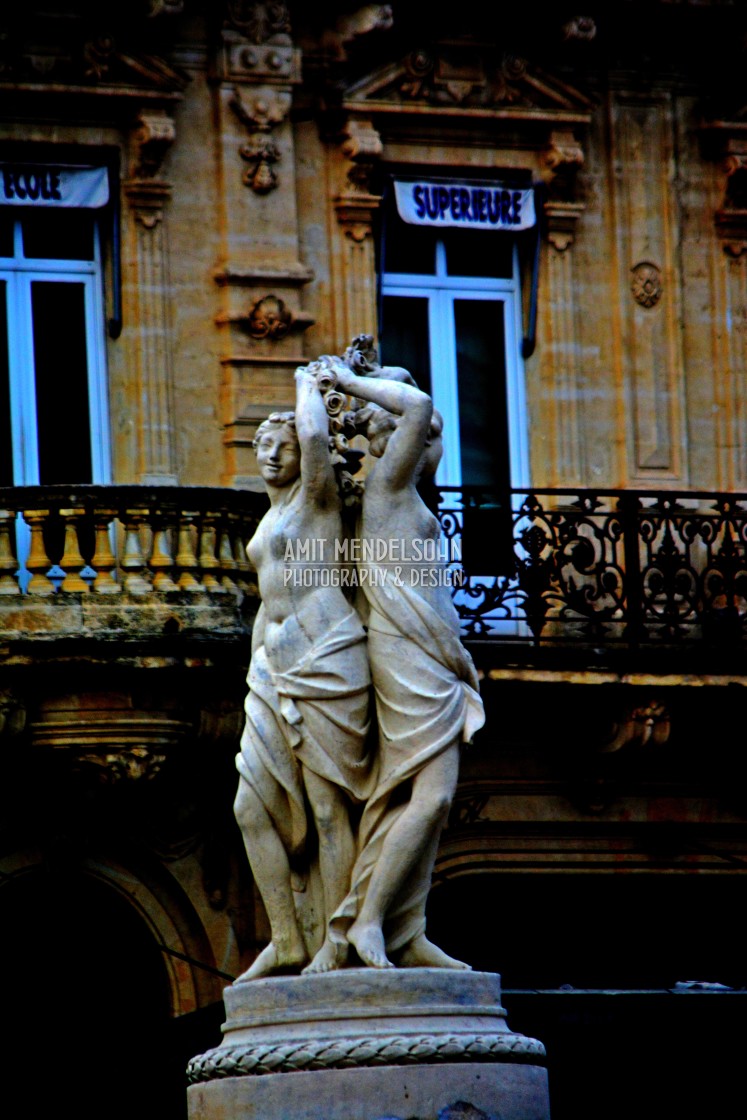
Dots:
pixel 131 564
pixel 587 575
pixel 603 576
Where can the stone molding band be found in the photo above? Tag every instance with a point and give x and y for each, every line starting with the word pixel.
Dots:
pixel 347 1053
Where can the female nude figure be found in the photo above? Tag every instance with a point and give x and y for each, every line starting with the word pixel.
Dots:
pixel 424 682
pixel 307 705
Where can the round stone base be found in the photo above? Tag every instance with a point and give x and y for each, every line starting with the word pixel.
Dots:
pixel 363 1044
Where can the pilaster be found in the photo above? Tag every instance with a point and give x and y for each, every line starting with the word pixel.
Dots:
pixel 560 162
pixel 354 256
pixel 148 266
pixel 261 316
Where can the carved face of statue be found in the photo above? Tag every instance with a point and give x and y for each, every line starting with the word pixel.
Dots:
pixel 278 456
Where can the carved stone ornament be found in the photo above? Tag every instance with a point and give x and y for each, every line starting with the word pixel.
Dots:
pixel 153 137
pixel 165 8
pixel 354 25
pixel 61 44
pixel 111 767
pixel 362 1050
pixel 456 75
pixel 356 204
pixel 638 726
pixel 112 749
pixel 725 141
pixel 361 141
pixel 579 29
pixel 646 284
pixel 269 318
pixel 561 161
pixel 260 113
pixel 731 218
pixel 258 21
pixel 12 714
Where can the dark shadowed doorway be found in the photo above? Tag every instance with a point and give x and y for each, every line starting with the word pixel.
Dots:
pixel 85 1003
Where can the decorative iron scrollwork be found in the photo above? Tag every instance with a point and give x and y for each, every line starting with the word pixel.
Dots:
pixel 604 570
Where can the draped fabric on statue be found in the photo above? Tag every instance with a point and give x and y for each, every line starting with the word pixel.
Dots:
pixel 426 700
pixel 314 714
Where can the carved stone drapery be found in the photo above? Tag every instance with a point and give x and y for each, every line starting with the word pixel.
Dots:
pixel 147 256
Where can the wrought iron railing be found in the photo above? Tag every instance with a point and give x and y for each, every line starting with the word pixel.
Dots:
pixel 600 568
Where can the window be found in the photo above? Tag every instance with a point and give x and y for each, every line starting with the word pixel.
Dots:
pixel 451 313
pixel 54 421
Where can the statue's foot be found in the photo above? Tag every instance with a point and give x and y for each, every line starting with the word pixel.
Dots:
pixel 272 959
pixel 368 942
pixel 330 957
pixel 422 953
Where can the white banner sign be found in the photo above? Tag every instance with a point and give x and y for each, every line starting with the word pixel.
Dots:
pixel 464 205
pixel 26 184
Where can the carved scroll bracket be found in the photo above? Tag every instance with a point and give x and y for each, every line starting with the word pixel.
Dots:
pixel 153 136
pixel 260 113
pixel 726 142
pixel 560 161
pixel 356 204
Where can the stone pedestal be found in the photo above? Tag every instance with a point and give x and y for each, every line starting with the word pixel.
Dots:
pixel 361 1044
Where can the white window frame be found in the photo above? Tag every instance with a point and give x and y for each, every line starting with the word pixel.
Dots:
pixel 19 273
pixel 441 290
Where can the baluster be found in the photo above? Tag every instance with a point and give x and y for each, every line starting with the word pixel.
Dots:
pixel 186 559
pixel 8 562
pixel 162 560
pixel 225 556
pixel 104 561
pixel 72 562
pixel 38 562
pixel 244 569
pixel 209 562
pixel 133 561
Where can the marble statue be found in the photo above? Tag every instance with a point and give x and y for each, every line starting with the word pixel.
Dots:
pixel 309 683
pixel 304 740
pixel 425 685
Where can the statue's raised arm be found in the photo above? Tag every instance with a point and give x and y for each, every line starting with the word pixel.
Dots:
pixel 407 424
pixel 312 428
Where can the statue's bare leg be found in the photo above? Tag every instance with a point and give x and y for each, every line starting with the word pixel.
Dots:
pixel 411 841
pixel 269 863
pixel 331 813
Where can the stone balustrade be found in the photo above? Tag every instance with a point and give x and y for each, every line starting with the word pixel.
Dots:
pixel 95 549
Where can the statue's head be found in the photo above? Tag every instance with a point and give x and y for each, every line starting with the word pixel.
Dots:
pixel 379 425
pixel 277 449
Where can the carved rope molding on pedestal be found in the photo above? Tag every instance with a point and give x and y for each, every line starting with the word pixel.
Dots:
pixel 347 1053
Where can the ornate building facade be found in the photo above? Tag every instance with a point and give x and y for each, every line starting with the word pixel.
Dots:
pixel 541 213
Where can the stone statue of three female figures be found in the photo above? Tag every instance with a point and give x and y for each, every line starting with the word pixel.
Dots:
pixel 340 825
